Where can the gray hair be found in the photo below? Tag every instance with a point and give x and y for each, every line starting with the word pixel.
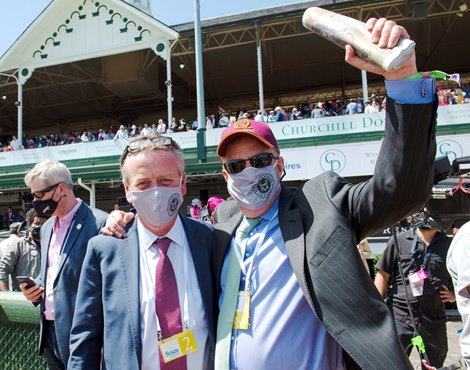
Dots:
pixel 147 144
pixel 50 172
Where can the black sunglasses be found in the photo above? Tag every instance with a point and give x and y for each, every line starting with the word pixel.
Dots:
pixel 260 160
pixel 40 193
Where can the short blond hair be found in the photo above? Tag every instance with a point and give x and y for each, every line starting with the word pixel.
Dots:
pixel 50 172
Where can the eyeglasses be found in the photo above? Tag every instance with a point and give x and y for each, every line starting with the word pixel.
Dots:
pixel 138 144
pixel 260 160
pixel 40 193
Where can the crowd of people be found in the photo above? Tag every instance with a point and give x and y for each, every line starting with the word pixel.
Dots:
pixel 276 282
pixel 222 119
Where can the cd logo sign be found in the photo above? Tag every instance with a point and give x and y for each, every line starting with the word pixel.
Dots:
pixel 333 160
pixel 450 148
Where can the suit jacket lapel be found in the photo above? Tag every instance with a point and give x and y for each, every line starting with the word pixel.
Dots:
pixel 75 229
pixel 290 222
pixel 129 260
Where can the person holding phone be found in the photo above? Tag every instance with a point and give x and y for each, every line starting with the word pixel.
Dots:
pixel 64 238
pixel 22 257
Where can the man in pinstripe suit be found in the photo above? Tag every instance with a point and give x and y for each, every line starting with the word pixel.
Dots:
pixel 299 296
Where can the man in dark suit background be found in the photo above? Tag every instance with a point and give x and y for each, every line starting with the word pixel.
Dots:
pixel 295 293
pixel 64 239
pixel 123 300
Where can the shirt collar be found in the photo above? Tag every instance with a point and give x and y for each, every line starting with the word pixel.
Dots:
pixel 270 212
pixel 147 238
pixel 67 219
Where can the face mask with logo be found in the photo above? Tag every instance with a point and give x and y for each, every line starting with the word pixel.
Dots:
pixel 157 205
pixel 45 208
pixel 253 188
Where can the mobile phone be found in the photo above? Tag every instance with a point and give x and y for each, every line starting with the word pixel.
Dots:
pixel 26 279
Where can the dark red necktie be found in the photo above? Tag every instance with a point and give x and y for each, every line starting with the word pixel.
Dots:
pixel 167 302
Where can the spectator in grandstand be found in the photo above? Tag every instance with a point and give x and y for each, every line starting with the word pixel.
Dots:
pixel 280 114
pixel 173 125
pixel 121 133
pixel 214 121
pixel 351 108
pixel 146 130
pixel 64 239
pixel 318 111
pixel 84 137
pixel 372 107
pixel 271 117
pixel 183 126
pixel 22 256
pixel 15 143
pixel 232 120
pixel 295 115
pixel 459 96
pixel 261 116
pixel 102 135
pixel 223 121
pixel 330 109
pixel 134 131
pixel 161 127
pixel 209 123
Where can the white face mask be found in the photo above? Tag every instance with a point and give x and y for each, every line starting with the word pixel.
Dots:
pixel 253 188
pixel 157 205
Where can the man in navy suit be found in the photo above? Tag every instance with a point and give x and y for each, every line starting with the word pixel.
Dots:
pixel 64 238
pixel 148 299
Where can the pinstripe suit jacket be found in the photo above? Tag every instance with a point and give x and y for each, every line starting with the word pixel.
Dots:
pixel 322 223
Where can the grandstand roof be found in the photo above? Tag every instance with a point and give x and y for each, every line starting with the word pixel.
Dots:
pixel 68 31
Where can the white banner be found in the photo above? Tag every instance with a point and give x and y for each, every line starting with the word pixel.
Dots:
pixel 318 127
pixel 356 159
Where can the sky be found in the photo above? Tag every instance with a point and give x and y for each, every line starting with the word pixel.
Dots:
pixel 17 15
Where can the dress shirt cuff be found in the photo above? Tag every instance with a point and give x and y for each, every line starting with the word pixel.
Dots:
pixel 420 91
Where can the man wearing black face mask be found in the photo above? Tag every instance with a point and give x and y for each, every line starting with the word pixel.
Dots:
pixel 64 238
pixel 22 257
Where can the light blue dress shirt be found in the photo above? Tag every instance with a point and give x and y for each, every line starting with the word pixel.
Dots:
pixel 284 332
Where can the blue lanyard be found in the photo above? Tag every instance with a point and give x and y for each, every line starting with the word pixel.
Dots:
pixel 413 249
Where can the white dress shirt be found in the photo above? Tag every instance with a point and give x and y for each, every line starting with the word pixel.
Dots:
pixel 185 280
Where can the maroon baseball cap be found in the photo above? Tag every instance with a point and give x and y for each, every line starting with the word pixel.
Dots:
pixel 259 130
